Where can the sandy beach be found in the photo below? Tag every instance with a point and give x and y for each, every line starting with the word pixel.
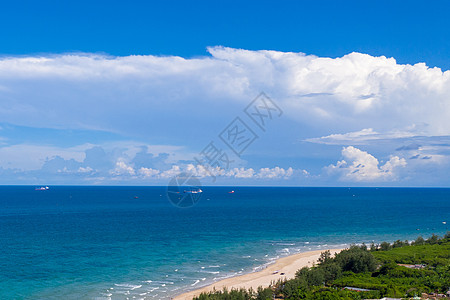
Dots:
pixel 283 268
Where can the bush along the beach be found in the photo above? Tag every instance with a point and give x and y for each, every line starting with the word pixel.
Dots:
pixel 401 270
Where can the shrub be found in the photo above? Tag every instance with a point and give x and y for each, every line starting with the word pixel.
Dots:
pixel 419 241
pixel 432 240
pixel 385 246
pixel 264 294
pixel 356 260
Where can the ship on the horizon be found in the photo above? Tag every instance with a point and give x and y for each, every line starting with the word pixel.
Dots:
pixel 195 191
pixel 42 188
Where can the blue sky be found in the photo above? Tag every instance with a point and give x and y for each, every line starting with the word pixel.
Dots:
pixel 411 32
pixel 115 93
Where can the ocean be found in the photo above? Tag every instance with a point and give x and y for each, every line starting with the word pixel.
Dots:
pixel 90 242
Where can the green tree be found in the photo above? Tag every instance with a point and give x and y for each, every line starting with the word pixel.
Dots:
pixel 447 235
pixel 385 246
pixel 331 271
pixel 302 273
pixel 419 241
pixel 315 277
pixel 264 294
pixel 432 240
pixel 356 260
pixel 294 289
pixel 325 257
pixel 397 244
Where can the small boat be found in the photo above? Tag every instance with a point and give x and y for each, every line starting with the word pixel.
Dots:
pixel 42 188
pixel 197 191
pixel 231 192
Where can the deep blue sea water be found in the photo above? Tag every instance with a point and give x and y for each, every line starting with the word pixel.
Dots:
pixel 123 242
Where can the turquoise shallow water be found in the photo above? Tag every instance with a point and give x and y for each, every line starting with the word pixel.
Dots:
pixel 125 242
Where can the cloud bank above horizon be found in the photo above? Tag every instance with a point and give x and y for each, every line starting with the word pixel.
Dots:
pixel 361 119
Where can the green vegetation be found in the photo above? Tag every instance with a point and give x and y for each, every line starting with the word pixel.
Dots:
pixel 399 270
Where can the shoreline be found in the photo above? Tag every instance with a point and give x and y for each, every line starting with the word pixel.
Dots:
pixel 283 268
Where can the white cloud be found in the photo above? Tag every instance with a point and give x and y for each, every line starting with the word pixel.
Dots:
pixel 27 157
pixel 363 136
pixel 202 172
pixel 33 157
pixel 359 165
pixel 276 172
pixel 241 173
pixel 342 94
pixel 351 100
pixel 263 173
pixel 85 170
pixel 173 171
pixel 117 161
pixel 148 172
pixel 349 92
pixel 123 169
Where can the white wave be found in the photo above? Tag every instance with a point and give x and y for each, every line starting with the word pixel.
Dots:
pixel 123 292
pixel 128 286
pixel 196 282
pixel 212 272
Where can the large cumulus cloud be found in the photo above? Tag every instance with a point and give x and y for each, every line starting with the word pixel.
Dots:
pixel 356 99
pixel 350 93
